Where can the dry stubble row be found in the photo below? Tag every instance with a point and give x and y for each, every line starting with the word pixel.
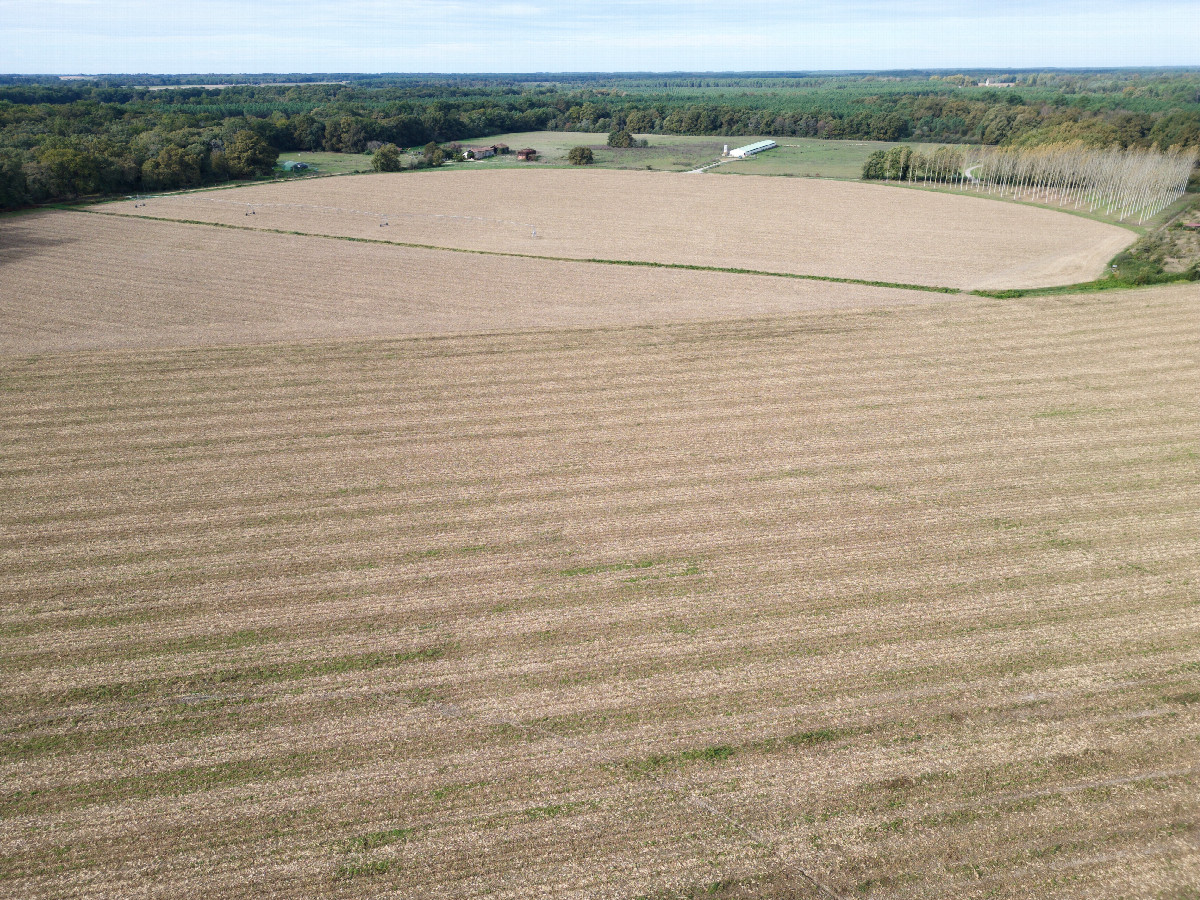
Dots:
pixel 78 281
pixel 911 592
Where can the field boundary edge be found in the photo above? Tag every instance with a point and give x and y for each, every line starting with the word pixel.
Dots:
pixel 650 264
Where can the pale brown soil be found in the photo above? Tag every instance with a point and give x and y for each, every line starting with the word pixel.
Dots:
pixel 803 226
pixel 904 599
pixel 79 281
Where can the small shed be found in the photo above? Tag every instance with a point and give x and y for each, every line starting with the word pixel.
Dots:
pixel 293 166
pixel 501 149
pixel 526 154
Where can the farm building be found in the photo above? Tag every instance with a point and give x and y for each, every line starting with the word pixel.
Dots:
pixel 481 152
pixel 751 149
pixel 526 154
pixel 293 166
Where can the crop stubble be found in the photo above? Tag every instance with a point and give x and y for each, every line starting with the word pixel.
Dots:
pixel 802 226
pixel 87 282
pixel 909 591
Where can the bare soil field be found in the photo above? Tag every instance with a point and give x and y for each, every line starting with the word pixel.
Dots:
pixel 79 281
pixel 888 602
pixel 801 226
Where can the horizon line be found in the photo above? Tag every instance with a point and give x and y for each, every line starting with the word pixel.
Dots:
pixel 919 70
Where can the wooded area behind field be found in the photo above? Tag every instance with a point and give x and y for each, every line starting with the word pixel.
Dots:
pixel 114 134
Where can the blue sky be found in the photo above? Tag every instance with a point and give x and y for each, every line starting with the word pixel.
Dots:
pixel 97 36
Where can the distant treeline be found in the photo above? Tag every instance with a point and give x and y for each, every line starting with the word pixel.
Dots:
pixel 60 139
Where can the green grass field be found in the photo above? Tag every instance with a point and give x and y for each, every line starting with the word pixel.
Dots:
pixel 811 157
pixel 665 153
pixel 679 153
pixel 329 163
pixel 803 157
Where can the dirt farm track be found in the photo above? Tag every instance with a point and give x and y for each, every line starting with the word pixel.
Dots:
pixel 338 569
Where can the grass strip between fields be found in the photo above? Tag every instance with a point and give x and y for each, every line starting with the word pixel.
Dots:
pixel 1107 283
pixel 728 270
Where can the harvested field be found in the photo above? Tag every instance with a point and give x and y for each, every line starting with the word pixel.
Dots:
pixel 800 226
pixel 901 601
pixel 87 282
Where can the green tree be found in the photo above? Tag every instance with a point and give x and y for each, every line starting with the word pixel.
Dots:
pixel 387 159
pixel 434 155
pixel 345 135
pixel 172 168
pixel 580 156
pixel 875 165
pixel 64 171
pixel 307 132
pixel 218 165
pixel 896 162
pixel 13 189
pixel 890 127
pixel 248 154
pixel 641 120
pixel 620 138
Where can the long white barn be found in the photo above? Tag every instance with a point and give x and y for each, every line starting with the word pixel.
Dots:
pixel 751 149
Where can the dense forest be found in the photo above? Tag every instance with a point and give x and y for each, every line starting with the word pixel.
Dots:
pixel 118 134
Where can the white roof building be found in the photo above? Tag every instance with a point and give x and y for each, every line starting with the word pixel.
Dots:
pixel 751 149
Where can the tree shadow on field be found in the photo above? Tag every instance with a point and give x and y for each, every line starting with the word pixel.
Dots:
pixel 24 238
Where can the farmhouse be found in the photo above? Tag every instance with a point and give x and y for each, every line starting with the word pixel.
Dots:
pixel 527 153
pixel 480 152
pixel 751 149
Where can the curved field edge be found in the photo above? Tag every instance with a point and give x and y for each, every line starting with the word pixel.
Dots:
pixel 827 229
pixel 103 281
pixel 1105 283
pixel 637 263
pixel 92 282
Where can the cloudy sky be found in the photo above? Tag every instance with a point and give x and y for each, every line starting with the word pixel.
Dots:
pixel 99 36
